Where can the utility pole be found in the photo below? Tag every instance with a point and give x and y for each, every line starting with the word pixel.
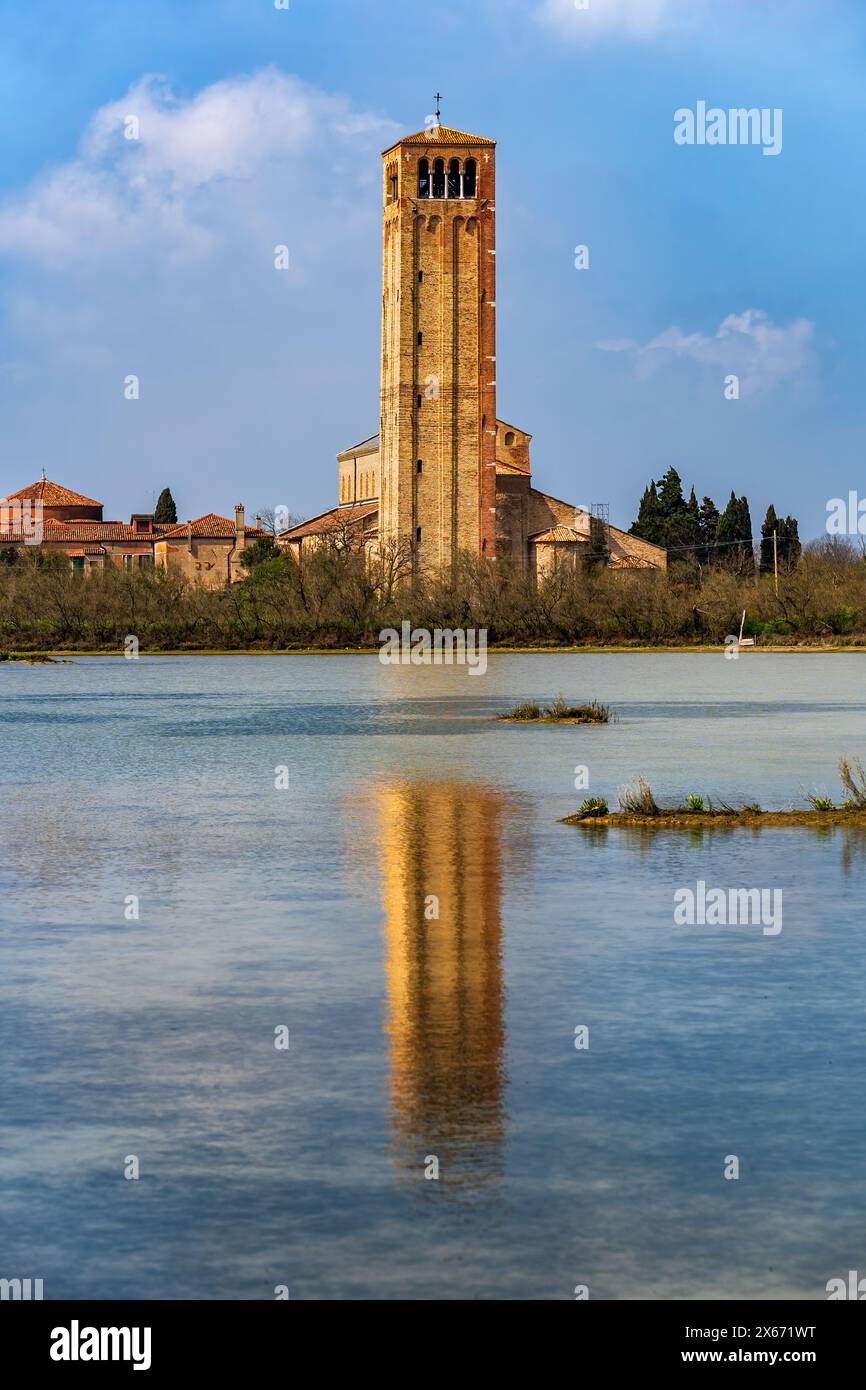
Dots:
pixel 776 563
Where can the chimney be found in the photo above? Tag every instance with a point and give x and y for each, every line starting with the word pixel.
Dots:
pixel 240 527
pixel 189 536
pixel 258 523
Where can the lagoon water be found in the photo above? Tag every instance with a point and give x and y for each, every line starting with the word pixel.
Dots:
pixel 413 1039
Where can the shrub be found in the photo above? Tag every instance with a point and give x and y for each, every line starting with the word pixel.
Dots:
pixel 530 709
pixel 636 799
pixel 592 713
pixel 854 780
pixel 820 802
pixel 695 803
pixel 593 806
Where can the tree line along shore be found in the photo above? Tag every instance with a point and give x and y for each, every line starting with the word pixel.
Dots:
pixel 336 600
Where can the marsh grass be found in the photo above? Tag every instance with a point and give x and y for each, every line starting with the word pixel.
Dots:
pixel 636 799
pixel 529 710
pixel 818 800
pixel 853 779
pixel 559 712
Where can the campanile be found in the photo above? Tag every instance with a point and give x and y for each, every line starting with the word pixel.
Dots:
pixel 437 486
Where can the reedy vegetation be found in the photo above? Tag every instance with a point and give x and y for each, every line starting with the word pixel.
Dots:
pixel 335 600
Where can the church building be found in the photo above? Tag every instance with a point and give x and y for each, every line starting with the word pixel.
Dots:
pixel 445 475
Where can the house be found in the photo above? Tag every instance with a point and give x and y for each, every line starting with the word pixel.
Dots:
pixel 60 521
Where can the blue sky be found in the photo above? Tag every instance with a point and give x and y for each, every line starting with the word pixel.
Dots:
pixel 261 127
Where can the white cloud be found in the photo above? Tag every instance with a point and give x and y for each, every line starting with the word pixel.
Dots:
pixel 156 257
pixel 762 354
pixel 633 18
pixel 199 168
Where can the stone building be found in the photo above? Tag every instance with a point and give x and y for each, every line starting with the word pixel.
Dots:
pixel 445 475
pixel 60 521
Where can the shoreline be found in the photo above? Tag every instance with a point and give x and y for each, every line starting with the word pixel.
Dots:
pixel 806 649
pixel 704 820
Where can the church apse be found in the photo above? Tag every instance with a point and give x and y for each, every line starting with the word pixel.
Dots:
pixel 440 848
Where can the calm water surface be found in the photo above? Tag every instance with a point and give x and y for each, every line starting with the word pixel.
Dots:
pixel 411 1037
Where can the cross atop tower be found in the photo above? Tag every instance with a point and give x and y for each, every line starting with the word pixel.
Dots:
pixel 438 99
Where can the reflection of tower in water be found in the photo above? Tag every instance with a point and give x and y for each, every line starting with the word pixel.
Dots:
pixel 440 846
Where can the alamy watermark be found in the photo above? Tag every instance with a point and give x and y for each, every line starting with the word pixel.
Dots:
pixel 711 125
pixel 21 1290
pixel 437 647
pixel 23 518
pixel 854 1289
pixel 846 518
pixel 729 907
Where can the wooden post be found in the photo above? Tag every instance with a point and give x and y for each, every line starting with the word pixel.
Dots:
pixel 776 563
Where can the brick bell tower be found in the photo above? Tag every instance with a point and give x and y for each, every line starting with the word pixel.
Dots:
pixel 438 399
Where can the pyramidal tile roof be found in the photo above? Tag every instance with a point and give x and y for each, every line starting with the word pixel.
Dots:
pixel 52 495
pixel 441 135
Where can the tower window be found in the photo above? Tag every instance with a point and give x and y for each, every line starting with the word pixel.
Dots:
pixel 419 466
pixel 424 178
pixel 470 179
pixel 454 179
pixel 392 184
pixel 418 534
pixel 509 438
pixel 420 276
pixel 439 178
pixel 420 398
pixel 420 339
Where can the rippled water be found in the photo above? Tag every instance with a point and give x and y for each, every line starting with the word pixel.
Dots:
pixel 414 1038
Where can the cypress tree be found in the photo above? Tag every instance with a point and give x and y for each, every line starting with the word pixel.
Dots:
pixel 746 550
pixel 789 542
pixel 165 510
pixel 709 528
pixel 670 495
pixel 648 526
pixel 771 524
pixel 727 532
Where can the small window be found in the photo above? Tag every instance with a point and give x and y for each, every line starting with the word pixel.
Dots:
pixel 420 339
pixel 418 533
pixel 420 277
pixel 419 466
pixel 420 398
pixel 470 179
pixel 509 438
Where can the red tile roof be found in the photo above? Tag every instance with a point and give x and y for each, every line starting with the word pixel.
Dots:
pixel 90 531
pixel 52 495
pixel 441 135
pixel 559 534
pixel 211 527
pixel 332 521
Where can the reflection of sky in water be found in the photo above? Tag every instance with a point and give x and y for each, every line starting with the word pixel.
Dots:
pixel 408 1038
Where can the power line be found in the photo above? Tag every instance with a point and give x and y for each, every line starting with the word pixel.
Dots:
pixel 715 545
